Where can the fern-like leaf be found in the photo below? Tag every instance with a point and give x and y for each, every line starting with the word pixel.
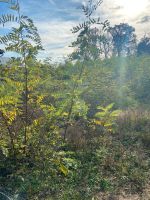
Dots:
pixel 8 18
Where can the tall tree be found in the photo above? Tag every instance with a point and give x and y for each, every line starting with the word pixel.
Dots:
pixel 123 38
pixel 144 46
pixel 86 45
pixel 104 44
pixel 87 42
pixel 24 40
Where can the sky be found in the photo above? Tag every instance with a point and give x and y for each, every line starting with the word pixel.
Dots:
pixel 55 19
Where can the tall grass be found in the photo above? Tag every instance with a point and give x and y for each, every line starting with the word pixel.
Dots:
pixel 134 120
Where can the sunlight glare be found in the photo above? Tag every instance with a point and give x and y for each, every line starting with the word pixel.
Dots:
pixel 132 8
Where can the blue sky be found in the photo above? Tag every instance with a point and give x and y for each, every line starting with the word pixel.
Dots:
pixel 55 18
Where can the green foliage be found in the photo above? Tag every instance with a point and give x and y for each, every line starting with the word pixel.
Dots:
pixel 144 46
pixel 86 43
pixel 41 103
pixel 51 169
pixel 106 117
pixel 124 39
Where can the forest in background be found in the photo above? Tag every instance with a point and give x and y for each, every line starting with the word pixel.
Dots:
pixel 77 130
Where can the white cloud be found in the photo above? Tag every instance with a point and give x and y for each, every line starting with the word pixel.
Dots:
pixel 118 11
pixel 56 37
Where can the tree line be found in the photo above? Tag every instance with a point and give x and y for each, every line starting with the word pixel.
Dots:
pixel 118 40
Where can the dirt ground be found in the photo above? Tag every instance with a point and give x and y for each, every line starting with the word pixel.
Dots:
pixel 144 196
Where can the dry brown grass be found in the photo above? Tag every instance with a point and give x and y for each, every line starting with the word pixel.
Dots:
pixel 134 120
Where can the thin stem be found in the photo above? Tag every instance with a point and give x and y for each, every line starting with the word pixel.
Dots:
pixel 5 196
pixel 73 100
pixel 26 81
